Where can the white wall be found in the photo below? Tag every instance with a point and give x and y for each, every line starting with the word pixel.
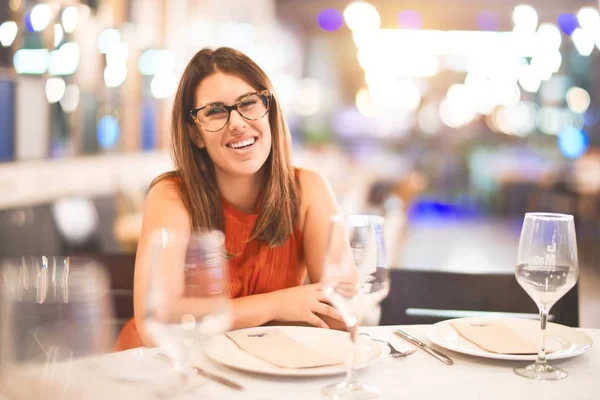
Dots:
pixel 34 182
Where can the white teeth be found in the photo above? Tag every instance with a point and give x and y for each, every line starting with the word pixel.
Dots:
pixel 243 143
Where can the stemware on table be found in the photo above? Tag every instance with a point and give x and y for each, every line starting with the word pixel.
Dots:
pixel 186 294
pixel 355 279
pixel 547 268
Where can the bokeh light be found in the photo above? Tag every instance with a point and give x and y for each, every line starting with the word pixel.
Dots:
pixel 360 15
pixel 589 19
pixel 410 19
pixel 55 89
pixel 58 35
pixel 488 21
pixel 578 99
pixel 108 39
pixel 108 131
pixel 330 19
pixel 8 33
pixel 572 142
pixel 69 19
pixel 525 18
pixel 583 41
pixel 115 74
pixel 429 118
pixel 70 100
pixel 163 85
pixel 568 23
pixel 39 17
pixel 366 104
pixel 552 38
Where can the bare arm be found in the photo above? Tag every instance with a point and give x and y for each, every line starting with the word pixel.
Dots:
pixel 320 205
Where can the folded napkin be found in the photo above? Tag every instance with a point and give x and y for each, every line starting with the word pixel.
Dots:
pixel 276 347
pixel 496 336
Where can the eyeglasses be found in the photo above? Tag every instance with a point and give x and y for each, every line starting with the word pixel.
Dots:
pixel 214 117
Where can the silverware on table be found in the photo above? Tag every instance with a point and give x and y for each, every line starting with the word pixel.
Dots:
pixel 394 353
pixel 424 346
pixel 206 374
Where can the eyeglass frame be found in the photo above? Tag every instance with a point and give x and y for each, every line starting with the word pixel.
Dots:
pixel 267 93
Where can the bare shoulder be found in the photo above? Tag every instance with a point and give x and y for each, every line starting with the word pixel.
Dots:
pixel 315 193
pixel 165 190
pixel 313 185
pixel 164 205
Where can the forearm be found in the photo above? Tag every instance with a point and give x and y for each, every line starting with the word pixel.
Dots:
pixel 255 310
pixel 248 311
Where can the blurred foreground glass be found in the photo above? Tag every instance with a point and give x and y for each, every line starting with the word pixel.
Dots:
pixel 52 309
pixel 186 295
pixel 355 279
pixel 547 268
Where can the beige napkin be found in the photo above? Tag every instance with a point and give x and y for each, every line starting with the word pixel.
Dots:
pixel 497 337
pixel 276 347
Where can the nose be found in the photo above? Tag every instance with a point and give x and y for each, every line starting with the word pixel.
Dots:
pixel 237 123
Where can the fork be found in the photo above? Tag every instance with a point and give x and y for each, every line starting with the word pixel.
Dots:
pixel 394 353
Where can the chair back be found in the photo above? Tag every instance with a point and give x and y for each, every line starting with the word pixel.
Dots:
pixel 120 267
pixel 28 230
pixel 426 297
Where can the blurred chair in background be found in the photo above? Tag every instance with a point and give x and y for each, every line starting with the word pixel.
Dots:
pixel 28 231
pixel 426 297
pixel 72 225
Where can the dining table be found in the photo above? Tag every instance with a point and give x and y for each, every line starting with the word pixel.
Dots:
pixel 418 376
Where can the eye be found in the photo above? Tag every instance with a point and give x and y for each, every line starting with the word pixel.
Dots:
pixel 248 101
pixel 213 111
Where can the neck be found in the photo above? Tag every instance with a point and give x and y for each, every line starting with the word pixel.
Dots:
pixel 241 191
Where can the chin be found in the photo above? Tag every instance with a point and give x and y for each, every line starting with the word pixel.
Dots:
pixel 247 169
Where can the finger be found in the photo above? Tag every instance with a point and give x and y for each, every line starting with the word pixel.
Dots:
pixel 322 298
pixel 316 321
pixel 327 310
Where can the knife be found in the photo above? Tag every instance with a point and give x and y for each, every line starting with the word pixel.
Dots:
pixel 423 346
pixel 206 374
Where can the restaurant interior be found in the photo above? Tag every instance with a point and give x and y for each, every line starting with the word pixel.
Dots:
pixel 451 119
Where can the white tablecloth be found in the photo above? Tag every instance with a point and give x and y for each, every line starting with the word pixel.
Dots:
pixel 419 376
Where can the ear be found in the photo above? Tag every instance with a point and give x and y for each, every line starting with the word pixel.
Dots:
pixel 197 138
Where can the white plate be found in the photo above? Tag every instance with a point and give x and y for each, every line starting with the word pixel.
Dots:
pixel 223 350
pixel 569 342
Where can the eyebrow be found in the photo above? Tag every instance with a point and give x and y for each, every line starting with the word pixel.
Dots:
pixel 221 103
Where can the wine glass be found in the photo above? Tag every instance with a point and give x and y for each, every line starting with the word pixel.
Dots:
pixel 186 294
pixel 52 310
pixel 355 280
pixel 547 268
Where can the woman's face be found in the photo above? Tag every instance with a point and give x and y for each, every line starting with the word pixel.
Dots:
pixel 242 146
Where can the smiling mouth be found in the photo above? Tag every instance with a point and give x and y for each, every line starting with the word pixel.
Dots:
pixel 244 144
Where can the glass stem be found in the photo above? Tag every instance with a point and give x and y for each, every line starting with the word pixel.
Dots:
pixel 351 373
pixel 541 357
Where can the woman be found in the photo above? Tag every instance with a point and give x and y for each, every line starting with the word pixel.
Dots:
pixel 231 150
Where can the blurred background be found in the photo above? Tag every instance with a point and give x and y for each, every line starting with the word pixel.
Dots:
pixel 452 118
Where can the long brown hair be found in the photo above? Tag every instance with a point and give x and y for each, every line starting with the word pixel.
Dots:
pixel 196 172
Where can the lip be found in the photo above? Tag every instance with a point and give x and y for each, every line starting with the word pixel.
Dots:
pixel 240 139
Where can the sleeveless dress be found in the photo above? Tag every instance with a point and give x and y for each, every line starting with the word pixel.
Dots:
pixel 255 267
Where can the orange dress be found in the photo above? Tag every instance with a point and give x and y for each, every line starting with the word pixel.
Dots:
pixel 256 268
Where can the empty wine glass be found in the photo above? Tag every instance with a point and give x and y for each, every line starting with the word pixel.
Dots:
pixel 186 294
pixel 355 280
pixel 52 310
pixel 547 268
